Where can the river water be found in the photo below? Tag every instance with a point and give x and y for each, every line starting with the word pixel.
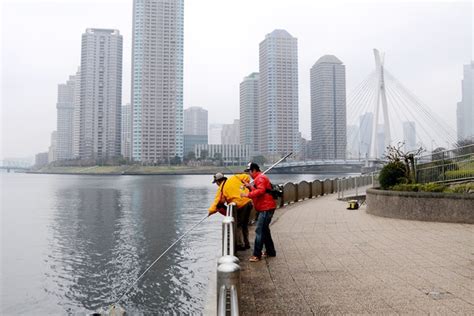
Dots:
pixel 74 244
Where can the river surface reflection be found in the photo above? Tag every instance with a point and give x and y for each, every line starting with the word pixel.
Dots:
pixel 74 244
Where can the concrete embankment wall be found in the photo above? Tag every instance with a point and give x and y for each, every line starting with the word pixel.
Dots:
pixel 422 206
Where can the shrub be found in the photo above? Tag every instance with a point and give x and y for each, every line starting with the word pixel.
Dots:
pixel 406 187
pixel 461 188
pixel 391 174
pixel 428 187
pixel 433 187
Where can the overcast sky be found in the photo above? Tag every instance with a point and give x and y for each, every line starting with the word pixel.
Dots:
pixel 426 44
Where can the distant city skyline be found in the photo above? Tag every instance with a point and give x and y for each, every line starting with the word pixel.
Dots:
pixel 393 27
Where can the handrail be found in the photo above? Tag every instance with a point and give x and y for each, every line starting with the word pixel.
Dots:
pixel 228 269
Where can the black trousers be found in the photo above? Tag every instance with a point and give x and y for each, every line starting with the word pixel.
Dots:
pixel 243 215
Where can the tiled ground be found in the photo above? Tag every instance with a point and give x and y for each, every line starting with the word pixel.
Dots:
pixel 336 261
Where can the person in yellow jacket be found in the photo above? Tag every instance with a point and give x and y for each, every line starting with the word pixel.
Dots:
pixel 228 191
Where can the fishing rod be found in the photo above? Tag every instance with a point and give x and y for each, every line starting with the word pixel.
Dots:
pixel 156 260
pixel 272 166
pixel 182 236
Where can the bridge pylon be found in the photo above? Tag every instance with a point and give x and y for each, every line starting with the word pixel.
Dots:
pixel 381 103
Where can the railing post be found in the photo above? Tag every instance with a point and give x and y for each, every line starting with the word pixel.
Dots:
pixel 356 186
pixel 296 192
pixel 228 277
pixel 338 188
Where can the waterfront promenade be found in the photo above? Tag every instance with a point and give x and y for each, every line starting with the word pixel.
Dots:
pixel 331 260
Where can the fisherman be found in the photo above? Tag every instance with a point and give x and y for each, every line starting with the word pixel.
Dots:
pixel 228 191
pixel 265 206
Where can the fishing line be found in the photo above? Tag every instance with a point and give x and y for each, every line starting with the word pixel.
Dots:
pixel 156 260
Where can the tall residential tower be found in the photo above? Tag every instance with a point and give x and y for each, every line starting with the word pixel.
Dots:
pixel 157 80
pixel 65 118
pixel 465 110
pixel 248 111
pixel 101 94
pixel 195 128
pixel 278 95
pixel 328 108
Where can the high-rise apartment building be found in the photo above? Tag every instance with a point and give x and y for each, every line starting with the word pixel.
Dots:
pixel 101 94
pixel 365 134
pixel 352 142
pixel 409 135
pixel 230 133
pixel 195 121
pixel 278 95
pixel 52 151
pixel 195 128
pixel 249 111
pixel 328 108
pixel 127 131
pixel 157 80
pixel 76 134
pixel 215 134
pixel 465 108
pixel 66 106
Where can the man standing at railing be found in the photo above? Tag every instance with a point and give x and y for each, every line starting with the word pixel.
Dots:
pixel 265 206
pixel 229 192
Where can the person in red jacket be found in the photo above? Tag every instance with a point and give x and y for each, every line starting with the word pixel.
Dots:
pixel 265 206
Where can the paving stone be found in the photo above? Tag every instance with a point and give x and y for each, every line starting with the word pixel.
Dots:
pixel 333 261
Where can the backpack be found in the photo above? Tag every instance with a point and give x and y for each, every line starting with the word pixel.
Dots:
pixel 276 191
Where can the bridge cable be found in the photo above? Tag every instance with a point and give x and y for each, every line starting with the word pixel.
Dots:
pixel 437 129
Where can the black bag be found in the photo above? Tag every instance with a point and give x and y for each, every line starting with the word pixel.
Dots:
pixel 276 191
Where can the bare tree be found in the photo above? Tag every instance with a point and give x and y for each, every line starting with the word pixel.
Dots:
pixel 396 153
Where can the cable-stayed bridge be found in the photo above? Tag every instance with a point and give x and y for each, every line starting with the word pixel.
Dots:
pixel 381 112
pixel 385 113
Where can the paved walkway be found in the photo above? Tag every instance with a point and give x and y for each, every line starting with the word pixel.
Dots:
pixel 336 261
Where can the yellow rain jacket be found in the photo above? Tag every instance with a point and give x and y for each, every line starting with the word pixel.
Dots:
pixel 233 186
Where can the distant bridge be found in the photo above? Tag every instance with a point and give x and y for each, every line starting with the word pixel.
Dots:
pixel 324 166
pixel 13 168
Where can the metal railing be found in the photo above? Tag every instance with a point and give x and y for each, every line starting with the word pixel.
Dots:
pixel 352 184
pixel 228 268
pixel 446 166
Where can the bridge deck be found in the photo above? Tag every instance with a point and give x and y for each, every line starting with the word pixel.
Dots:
pixel 331 260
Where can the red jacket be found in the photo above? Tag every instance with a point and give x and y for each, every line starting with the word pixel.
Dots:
pixel 262 200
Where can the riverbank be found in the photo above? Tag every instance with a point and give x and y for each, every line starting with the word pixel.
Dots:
pixel 137 170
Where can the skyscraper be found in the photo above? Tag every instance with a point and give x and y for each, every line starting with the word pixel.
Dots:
pixel 215 134
pixel 65 118
pixel 278 95
pixel 101 94
pixel 465 108
pixel 328 108
pixel 248 111
pixel 76 134
pixel 353 141
pixel 52 151
pixel 157 80
pixel 365 134
pixel 127 131
pixel 195 128
pixel 230 133
pixel 409 135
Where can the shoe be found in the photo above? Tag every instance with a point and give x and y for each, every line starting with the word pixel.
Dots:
pixel 264 254
pixel 247 247
pixel 254 259
pixel 241 248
